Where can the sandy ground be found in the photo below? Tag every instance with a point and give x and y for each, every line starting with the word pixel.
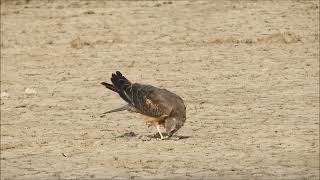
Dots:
pixel 248 72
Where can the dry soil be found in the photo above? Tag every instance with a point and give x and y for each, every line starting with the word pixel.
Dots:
pixel 247 70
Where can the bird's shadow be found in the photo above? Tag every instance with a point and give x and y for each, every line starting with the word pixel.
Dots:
pixel 157 136
pixel 152 136
pixel 127 135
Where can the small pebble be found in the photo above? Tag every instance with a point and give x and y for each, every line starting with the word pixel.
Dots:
pixel 76 43
pixel 144 138
pixel 30 91
pixel 4 94
pixel 89 12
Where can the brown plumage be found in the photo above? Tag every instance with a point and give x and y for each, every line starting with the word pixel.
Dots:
pixel 158 106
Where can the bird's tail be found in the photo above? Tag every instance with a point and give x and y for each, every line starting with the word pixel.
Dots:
pixel 121 85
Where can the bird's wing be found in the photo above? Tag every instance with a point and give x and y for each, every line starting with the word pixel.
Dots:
pixel 148 100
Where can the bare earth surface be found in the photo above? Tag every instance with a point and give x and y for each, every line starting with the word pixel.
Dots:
pixel 248 72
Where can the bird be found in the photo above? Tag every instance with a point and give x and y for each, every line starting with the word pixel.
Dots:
pixel 158 106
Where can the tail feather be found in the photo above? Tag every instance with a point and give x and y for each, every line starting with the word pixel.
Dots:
pixel 123 85
pixel 110 86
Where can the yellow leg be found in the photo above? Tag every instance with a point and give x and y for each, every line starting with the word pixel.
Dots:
pixel 158 128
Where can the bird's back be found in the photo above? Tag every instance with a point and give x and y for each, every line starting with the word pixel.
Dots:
pixel 154 101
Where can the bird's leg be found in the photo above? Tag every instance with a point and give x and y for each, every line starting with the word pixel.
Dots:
pixel 158 128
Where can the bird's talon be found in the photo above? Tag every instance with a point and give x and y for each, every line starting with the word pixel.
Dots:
pixel 165 138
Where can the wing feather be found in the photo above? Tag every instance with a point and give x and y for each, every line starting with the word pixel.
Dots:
pixel 147 100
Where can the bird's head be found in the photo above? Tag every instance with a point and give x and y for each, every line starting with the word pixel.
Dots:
pixel 173 124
